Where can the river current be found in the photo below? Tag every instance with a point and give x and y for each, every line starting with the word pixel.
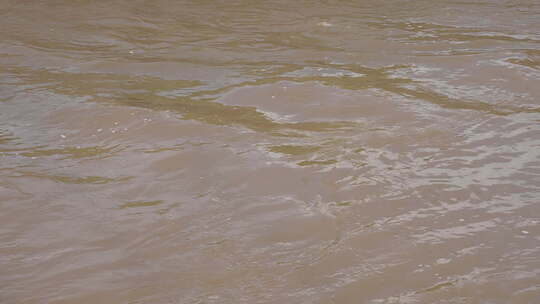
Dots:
pixel 270 151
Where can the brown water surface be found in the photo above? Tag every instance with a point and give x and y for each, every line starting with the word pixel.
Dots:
pixel 270 151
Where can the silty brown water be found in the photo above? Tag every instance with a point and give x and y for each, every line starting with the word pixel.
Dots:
pixel 269 151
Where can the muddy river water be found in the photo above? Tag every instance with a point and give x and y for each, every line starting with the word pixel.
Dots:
pixel 270 151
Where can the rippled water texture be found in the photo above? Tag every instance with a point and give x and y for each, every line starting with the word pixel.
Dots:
pixel 270 151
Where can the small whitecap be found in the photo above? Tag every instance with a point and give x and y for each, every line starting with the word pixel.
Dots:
pixel 324 23
pixel 443 261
